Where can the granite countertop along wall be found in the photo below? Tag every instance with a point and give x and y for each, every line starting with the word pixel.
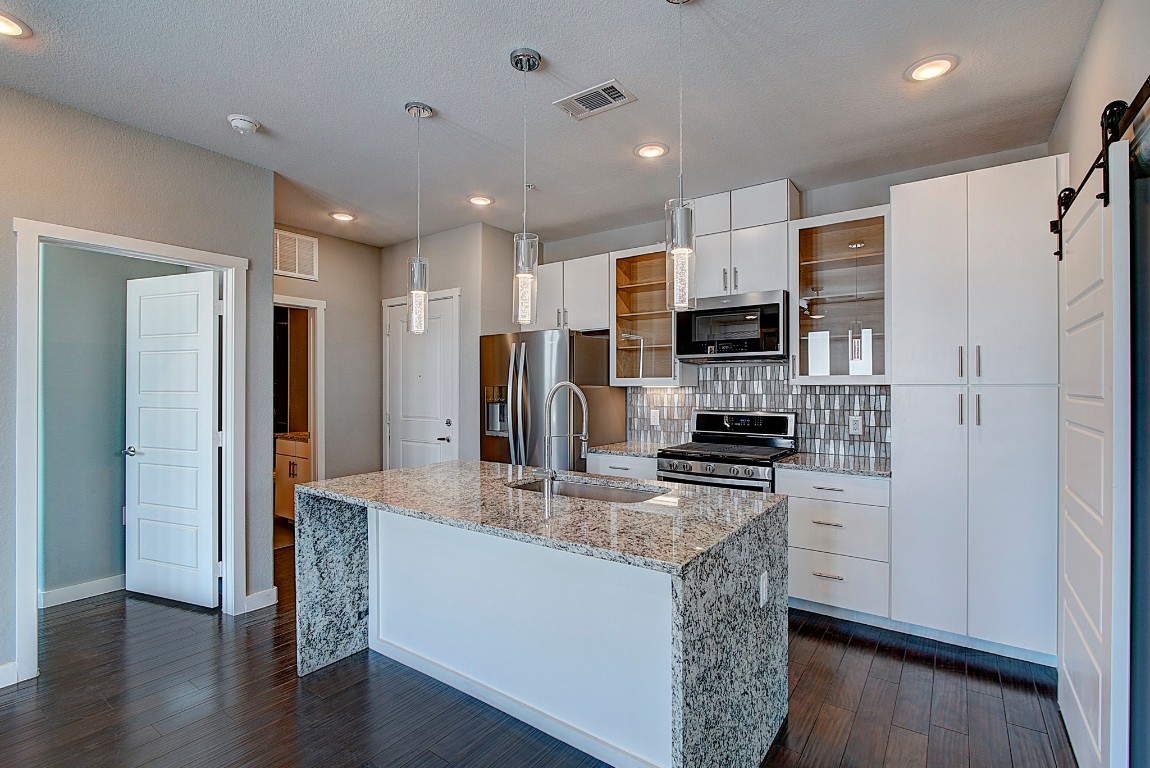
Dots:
pixel 842 465
pixel 298 437
pixel 643 449
pixel 664 534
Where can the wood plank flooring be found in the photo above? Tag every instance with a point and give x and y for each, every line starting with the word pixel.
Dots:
pixel 132 681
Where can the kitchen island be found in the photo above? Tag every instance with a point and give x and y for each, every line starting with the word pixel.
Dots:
pixel 648 633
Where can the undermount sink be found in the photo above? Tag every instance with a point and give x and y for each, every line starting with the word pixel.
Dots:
pixel 596 491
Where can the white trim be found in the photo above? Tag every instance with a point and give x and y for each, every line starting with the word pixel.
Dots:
pixel 933 634
pixel 549 724
pixel 261 599
pixel 317 399
pixel 8 675
pixel 52 597
pixel 30 235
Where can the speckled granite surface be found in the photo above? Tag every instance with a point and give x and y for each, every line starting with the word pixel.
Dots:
pixel 642 448
pixel 729 652
pixel 297 437
pixel 843 465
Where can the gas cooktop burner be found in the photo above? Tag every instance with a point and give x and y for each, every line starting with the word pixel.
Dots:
pixel 726 451
pixel 730 448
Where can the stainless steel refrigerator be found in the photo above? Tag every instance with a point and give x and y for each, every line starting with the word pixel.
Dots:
pixel 517 370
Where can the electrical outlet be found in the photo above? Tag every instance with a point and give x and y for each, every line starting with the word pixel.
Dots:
pixel 855 425
pixel 654 417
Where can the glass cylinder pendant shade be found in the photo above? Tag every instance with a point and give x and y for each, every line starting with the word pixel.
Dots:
pixel 680 255
pixel 526 265
pixel 417 285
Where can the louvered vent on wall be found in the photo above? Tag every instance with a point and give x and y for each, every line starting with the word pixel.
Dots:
pixel 296 255
pixel 592 101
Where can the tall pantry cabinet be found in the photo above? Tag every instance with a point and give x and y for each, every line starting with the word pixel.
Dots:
pixel 974 404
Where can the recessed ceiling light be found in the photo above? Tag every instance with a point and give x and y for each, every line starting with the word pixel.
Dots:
pixel 342 216
pixel 932 67
pixel 481 200
pixel 10 26
pixel 859 244
pixel 651 150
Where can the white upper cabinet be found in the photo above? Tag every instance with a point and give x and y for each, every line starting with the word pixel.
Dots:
pixel 1013 274
pixel 587 292
pixel 574 294
pixel 713 265
pixel 713 214
pixel 759 258
pixel 764 204
pixel 974 278
pixel 928 282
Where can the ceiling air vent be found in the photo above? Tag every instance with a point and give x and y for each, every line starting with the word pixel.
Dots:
pixel 592 101
pixel 296 255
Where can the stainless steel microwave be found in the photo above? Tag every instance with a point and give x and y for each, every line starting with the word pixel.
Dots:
pixel 746 326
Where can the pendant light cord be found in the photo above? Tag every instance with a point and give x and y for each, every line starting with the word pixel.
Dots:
pixel 418 185
pixel 525 70
pixel 680 4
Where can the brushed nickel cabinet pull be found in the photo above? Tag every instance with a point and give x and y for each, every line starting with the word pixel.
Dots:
pixel 827 488
pixel 827 576
pixel 724 278
pixel 559 318
pixel 960 361
pixel 621 469
pixel 735 272
pixel 828 525
pixel 978 410
pixel 961 409
pixel 978 360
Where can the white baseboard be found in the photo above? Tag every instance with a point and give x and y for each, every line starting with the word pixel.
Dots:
pixel 545 722
pixel 965 641
pixel 261 599
pixel 51 597
pixel 7 674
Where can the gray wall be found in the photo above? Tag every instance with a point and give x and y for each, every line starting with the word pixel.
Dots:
pixel 83 324
pixel 71 168
pixel 472 259
pixel 603 242
pixel 349 281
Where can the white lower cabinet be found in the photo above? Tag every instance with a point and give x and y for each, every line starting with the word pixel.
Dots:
pixel 974 511
pixel 636 467
pixel 838 534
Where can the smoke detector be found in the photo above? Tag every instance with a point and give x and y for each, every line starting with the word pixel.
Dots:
pixel 244 125
pixel 592 101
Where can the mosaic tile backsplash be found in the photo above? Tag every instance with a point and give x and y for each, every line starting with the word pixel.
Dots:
pixel 823 412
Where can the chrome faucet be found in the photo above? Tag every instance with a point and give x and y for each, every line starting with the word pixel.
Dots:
pixel 548 472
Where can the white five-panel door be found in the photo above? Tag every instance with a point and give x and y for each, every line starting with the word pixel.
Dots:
pixel 423 386
pixel 1094 492
pixel 171 520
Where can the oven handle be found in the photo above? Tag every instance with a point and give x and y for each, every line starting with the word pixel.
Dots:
pixel 717 482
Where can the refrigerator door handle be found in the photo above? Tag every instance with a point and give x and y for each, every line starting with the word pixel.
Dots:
pixel 520 386
pixel 510 410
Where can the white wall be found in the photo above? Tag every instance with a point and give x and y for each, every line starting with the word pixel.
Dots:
pixel 349 281
pixel 67 167
pixel 1114 65
pixel 603 242
pixel 477 260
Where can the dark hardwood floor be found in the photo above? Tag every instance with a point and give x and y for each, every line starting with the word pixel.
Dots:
pixel 132 681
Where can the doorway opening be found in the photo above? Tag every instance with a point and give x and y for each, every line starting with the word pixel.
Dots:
pixel 298 406
pixel 182 436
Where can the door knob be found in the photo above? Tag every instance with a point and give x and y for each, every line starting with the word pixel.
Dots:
pixel 444 439
pixel 129 451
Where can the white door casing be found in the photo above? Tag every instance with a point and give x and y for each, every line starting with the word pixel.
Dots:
pixel 1094 466
pixel 171 520
pixel 422 408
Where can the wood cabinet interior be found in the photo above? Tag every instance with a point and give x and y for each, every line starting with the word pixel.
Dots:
pixel 644 324
pixel 842 289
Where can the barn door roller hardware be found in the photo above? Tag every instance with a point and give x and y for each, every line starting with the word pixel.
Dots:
pixel 1116 120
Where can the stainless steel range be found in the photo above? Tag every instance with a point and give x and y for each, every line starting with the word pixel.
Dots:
pixel 734 449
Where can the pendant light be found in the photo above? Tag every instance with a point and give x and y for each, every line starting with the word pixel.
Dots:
pixel 526 244
pixel 418 277
pixel 680 214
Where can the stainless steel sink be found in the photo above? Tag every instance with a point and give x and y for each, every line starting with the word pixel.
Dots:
pixel 594 491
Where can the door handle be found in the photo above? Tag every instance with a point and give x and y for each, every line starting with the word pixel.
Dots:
pixel 735 272
pixel 444 439
pixel 724 278
pixel 129 451
pixel 511 406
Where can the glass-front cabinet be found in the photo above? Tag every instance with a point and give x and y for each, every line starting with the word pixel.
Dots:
pixel 642 328
pixel 840 285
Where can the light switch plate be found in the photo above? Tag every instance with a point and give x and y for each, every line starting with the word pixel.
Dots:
pixel 855 426
pixel 654 417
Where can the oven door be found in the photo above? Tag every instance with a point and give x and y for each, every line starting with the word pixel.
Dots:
pixel 766 486
pixel 749 326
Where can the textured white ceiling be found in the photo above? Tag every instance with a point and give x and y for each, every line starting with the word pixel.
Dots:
pixel 806 89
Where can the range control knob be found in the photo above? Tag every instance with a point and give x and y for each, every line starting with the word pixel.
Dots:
pixel 709 468
pixel 734 470
pixel 749 471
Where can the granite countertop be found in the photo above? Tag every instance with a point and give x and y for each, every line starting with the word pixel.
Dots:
pixel 298 437
pixel 664 534
pixel 643 449
pixel 843 465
